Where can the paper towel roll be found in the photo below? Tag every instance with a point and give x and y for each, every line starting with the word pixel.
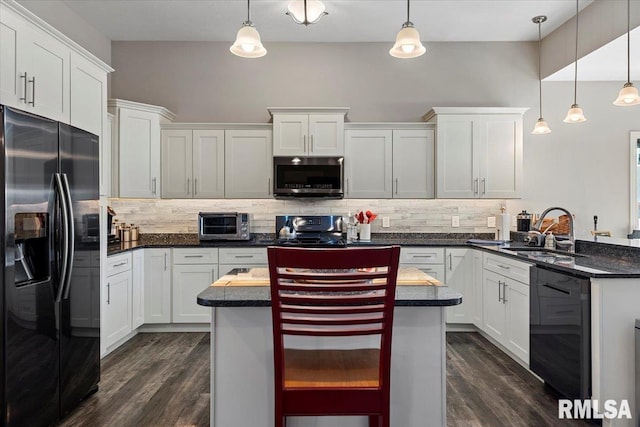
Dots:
pixel 504 227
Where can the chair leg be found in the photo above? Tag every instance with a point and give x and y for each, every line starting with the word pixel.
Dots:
pixel 374 421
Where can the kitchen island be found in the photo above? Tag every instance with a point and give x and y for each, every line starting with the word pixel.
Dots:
pixel 242 352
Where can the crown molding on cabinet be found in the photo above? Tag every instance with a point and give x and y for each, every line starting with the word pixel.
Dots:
pixel 161 111
pixel 308 110
pixel 472 110
pixel 26 14
pixel 390 125
pixel 216 126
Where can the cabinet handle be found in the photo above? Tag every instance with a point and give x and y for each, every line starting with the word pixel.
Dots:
pixel 153 186
pixel 24 76
pixel 426 269
pixel 311 144
pixel 243 256
pixel 194 256
pixel 504 292
pixel 421 256
pixel 475 186
pixel 188 185
pixel 195 186
pixel 484 186
pixel 165 261
pixel 109 293
pixel 269 186
pixel 347 189
pixel 450 262
pixel 304 143
pixel 506 267
pixel 396 185
pixel 120 264
pixel 499 288
pixel 33 91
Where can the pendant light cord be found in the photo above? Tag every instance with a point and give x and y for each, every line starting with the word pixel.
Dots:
pixel 248 10
pixel 628 41
pixel 575 79
pixel 408 20
pixel 539 67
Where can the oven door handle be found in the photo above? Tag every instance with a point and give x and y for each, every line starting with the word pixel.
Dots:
pixel 555 288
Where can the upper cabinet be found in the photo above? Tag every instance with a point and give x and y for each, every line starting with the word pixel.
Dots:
pixel 136 148
pixel 192 164
pixel 45 73
pixel 478 152
pixel 248 167
pixel 389 163
pixel 308 132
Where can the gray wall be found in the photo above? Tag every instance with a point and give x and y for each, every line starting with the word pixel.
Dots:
pixel 583 167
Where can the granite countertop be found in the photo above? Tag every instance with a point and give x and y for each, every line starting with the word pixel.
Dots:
pixel 243 287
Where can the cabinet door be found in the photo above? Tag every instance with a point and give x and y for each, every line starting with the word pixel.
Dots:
pixel 326 135
pixel 47 68
pixel 248 164
pixel 88 97
pixel 290 133
pixel 157 286
pixel 367 164
pixel 500 156
pixel 137 289
pixel 188 282
pixel 139 153
pixel 413 164
pixel 456 147
pixel 434 270
pixel 459 276
pixel 478 272
pixel 517 306
pixel 177 164
pixel 117 307
pixel 208 164
pixel 105 157
pixel 494 307
pixel 11 84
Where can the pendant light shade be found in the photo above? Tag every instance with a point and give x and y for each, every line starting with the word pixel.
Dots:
pixel 306 12
pixel 248 44
pixel 575 114
pixel 628 95
pixel 541 126
pixel 408 44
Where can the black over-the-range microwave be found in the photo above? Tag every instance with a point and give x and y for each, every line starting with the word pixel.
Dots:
pixel 308 177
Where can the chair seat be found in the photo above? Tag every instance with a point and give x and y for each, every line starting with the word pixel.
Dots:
pixel 331 368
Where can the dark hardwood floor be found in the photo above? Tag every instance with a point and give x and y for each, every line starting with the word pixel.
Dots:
pixel 163 380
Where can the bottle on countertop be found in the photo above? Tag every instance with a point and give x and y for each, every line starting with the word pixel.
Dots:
pixel 550 241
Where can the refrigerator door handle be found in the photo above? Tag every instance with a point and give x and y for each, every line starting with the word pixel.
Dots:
pixel 71 232
pixel 65 233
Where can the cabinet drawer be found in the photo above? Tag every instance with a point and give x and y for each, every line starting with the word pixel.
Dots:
pixel 242 256
pixel 195 256
pixel 421 255
pixel 507 267
pixel 117 264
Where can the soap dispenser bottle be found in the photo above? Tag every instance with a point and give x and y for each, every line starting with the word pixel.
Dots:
pixel 550 241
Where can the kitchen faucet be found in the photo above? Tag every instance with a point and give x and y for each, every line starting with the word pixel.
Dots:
pixel 538 232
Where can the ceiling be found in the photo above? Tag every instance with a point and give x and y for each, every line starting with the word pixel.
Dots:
pixel 353 21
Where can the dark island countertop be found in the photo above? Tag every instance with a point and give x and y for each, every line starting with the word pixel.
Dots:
pixel 593 258
pixel 243 287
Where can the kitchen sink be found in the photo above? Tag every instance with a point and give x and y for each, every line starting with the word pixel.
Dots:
pixel 546 255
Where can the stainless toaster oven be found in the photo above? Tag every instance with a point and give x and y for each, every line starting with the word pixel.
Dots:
pixel 223 226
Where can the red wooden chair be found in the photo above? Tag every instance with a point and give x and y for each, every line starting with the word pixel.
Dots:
pixel 323 294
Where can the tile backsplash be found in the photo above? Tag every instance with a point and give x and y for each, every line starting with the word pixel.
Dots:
pixel 405 215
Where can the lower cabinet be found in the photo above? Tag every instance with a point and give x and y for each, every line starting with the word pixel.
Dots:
pixel 231 258
pixel 506 307
pixel 459 276
pixel 427 259
pixel 137 289
pixel 157 285
pixel 117 299
pixel 478 274
pixel 193 270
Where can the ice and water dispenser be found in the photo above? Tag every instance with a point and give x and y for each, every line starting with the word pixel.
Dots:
pixel 32 247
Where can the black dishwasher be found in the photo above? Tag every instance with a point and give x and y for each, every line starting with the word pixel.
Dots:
pixel 560 331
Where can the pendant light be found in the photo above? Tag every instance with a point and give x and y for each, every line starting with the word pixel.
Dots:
pixel 541 126
pixel 248 44
pixel 408 43
pixel 306 12
pixel 575 114
pixel 628 95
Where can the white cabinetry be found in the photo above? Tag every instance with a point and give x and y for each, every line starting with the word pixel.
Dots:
pixel 88 96
pixel 478 152
pixel 192 164
pixel 459 276
pixel 428 259
pixel 230 258
pixel 137 289
pixel 308 132
pixel 389 163
pixel 506 303
pixel 478 271
pixel 136 148
pixel 116 296
pixel 157 285
pixel 193 270
pixel 248 164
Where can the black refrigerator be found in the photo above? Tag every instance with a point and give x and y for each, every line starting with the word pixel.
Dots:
pixel 50 281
